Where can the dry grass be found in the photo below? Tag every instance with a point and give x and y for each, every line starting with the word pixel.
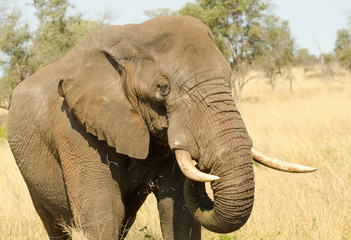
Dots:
pixel 311 125
pixel 18 219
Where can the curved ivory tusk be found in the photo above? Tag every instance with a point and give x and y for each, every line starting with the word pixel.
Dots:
pixel 190 171
pixel 279 164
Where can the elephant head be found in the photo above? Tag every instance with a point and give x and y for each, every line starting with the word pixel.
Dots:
pixel 165 81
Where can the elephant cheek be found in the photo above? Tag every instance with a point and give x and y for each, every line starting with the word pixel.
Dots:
pixel 181 138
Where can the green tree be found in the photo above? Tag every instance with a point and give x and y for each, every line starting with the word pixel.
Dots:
pixel 160 12
pixel 343 47
pixel 24 52
pixel 235 25
pixel 14 44
pixel 276 49
pixel 304 58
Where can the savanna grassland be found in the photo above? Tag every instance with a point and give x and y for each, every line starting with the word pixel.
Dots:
pixel 310 125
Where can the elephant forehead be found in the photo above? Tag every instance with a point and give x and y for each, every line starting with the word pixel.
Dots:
pixel 164 33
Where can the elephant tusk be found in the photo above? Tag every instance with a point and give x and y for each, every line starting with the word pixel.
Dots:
pixel 279 164
pixel 189 170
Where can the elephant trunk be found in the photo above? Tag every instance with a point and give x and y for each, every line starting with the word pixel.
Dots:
pixel 233 195
pixel 214 135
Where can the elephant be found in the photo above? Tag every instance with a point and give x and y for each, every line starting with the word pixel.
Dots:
pixel 128 112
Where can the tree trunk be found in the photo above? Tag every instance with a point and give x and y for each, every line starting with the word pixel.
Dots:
pixel 234 82
pixel 290 78
pixel 273 82
pixel 240 89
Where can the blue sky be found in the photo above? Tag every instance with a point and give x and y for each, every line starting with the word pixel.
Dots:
pixel 309 19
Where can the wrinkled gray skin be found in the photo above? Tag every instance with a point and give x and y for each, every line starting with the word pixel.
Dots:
pixel 95 133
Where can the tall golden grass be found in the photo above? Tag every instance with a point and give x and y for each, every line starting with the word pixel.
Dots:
pixel 311 126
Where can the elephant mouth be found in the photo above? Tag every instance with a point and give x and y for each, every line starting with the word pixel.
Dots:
pixel 160 140
pixel 186 165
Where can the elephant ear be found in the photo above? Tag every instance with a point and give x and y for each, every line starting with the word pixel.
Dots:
pixel 94 83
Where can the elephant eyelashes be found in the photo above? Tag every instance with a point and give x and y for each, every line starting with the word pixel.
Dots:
pixel 163 88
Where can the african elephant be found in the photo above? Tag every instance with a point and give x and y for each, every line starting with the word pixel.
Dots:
pixel 94 133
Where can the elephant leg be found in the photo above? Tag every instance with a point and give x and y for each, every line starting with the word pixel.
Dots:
pixel 133 202
pixel 52 228
pixel 95 198
pixel 176 221
pixel 97 206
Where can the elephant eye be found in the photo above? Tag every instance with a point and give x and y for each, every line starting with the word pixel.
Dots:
pixel 163 87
